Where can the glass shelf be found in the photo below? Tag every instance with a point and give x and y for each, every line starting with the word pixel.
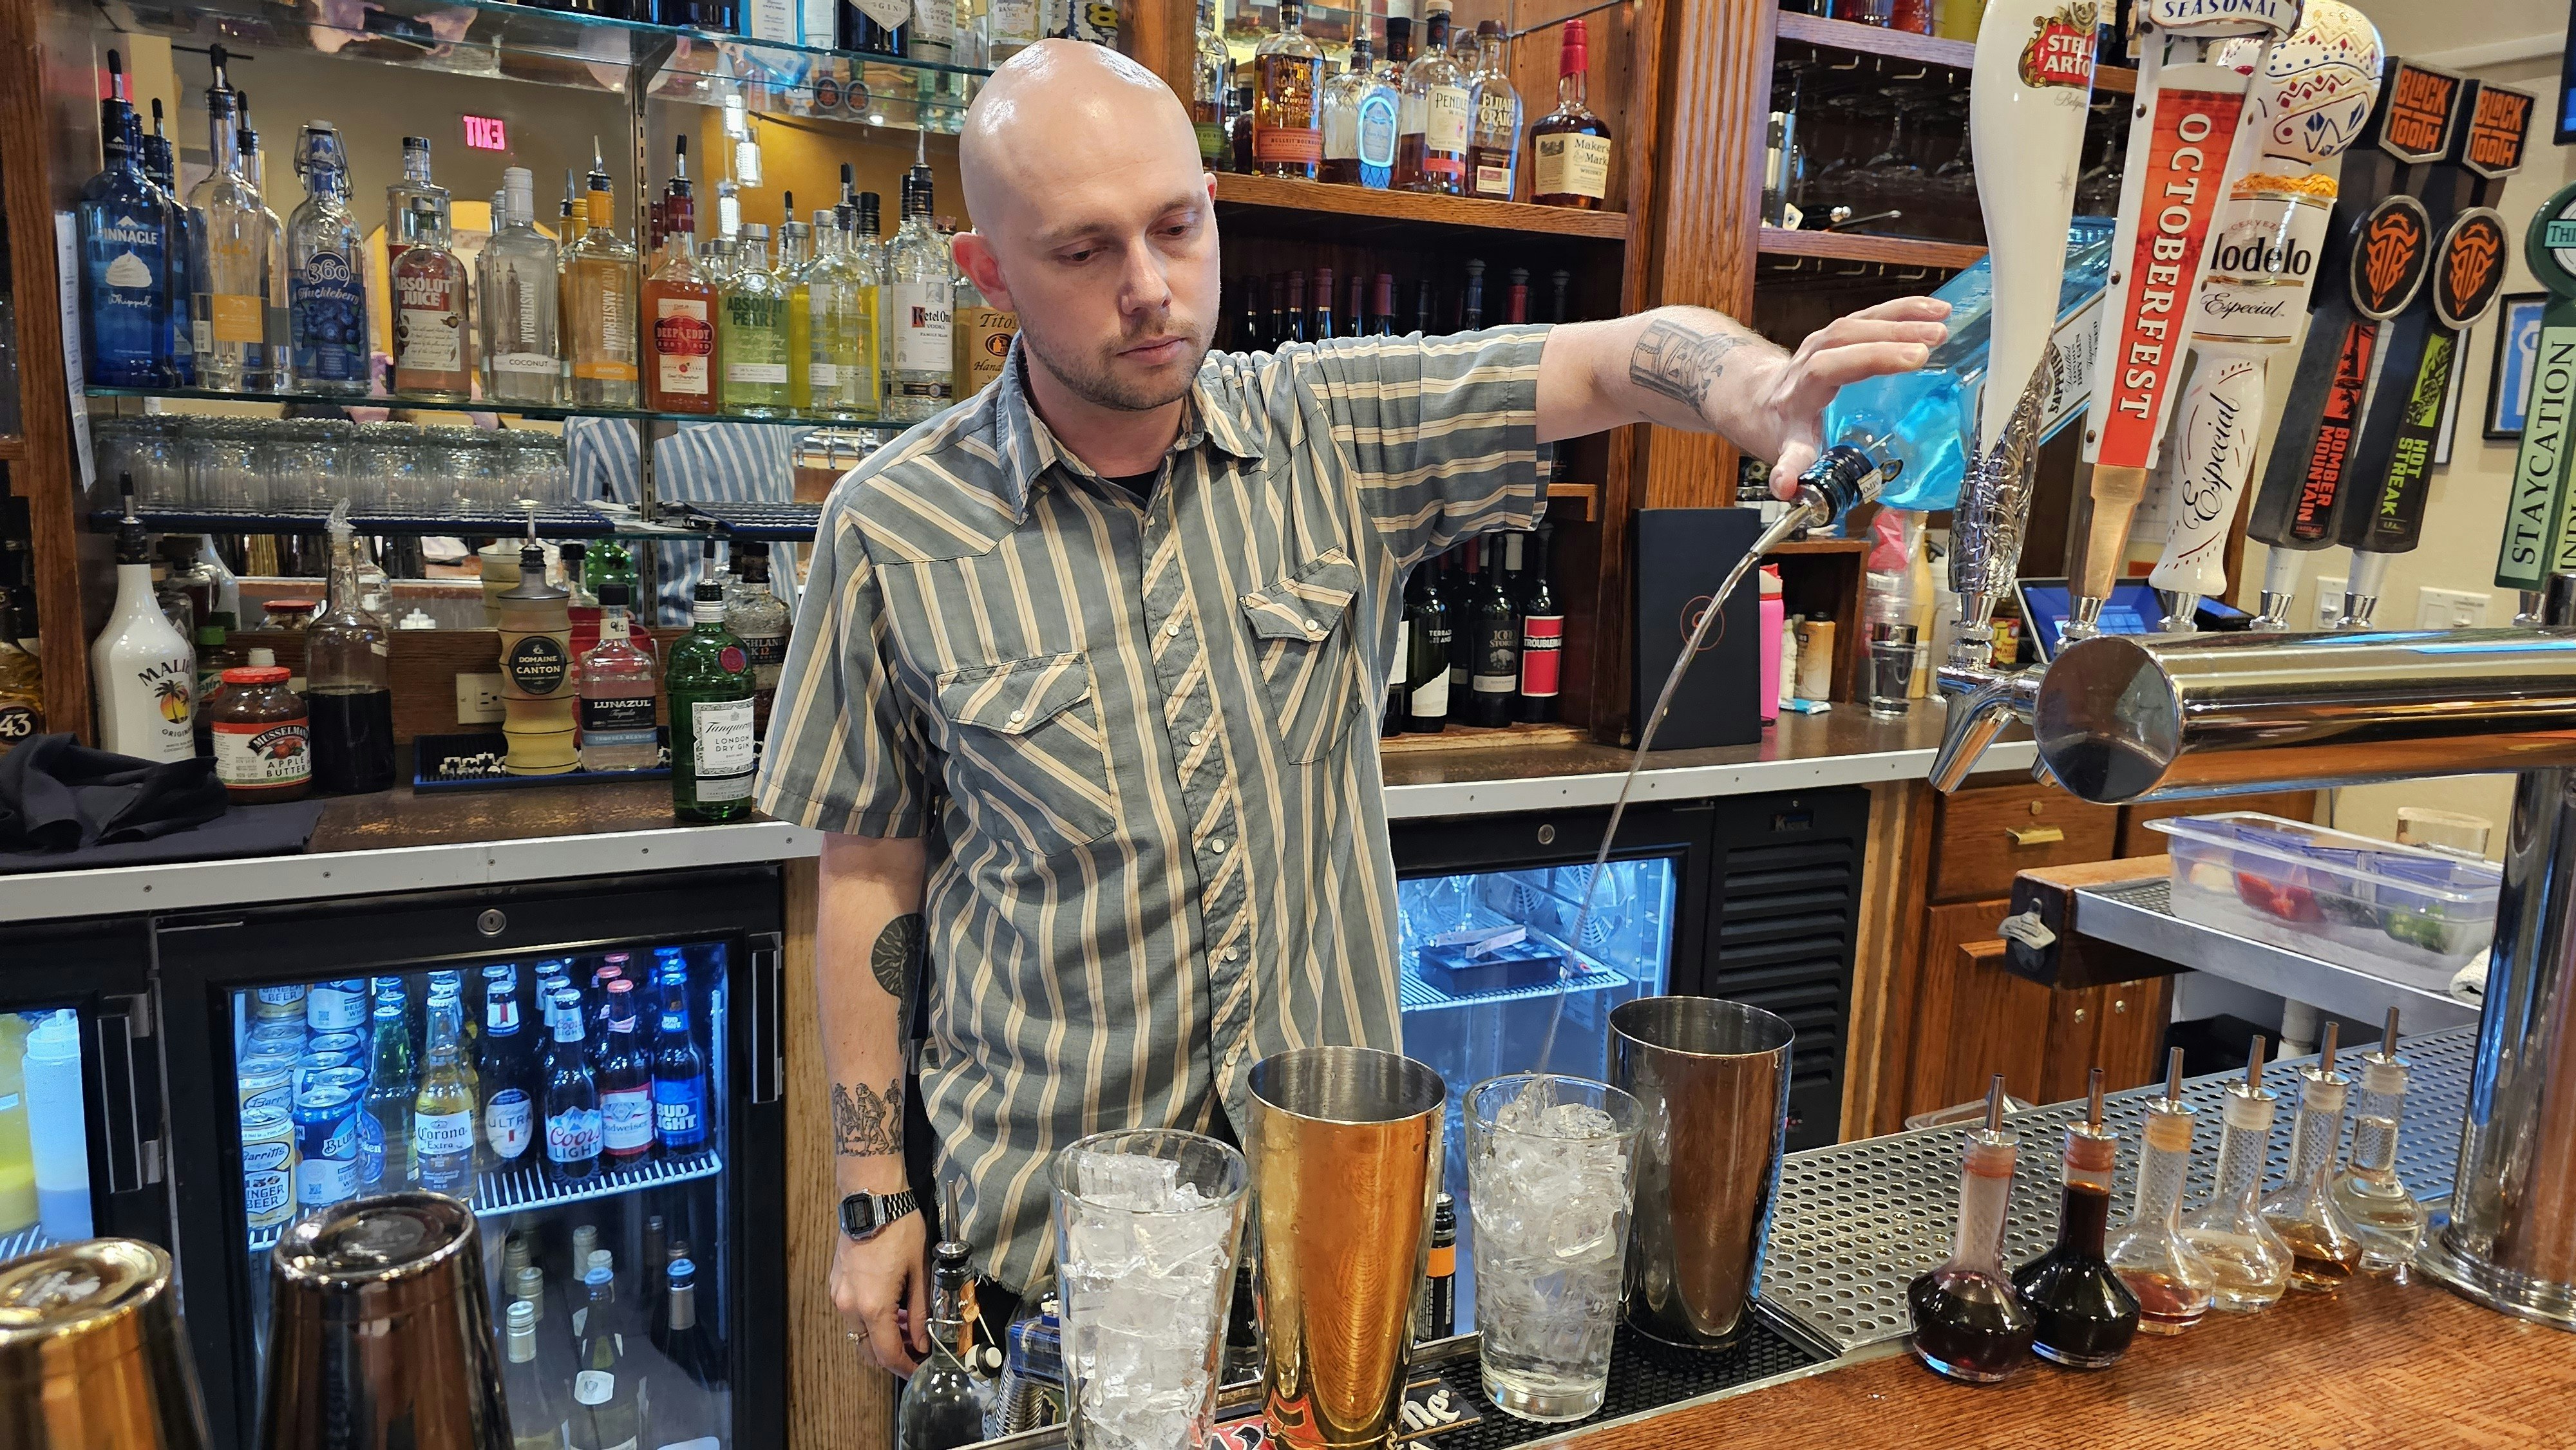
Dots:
pixel 789 523
pixel 509 410
pixel 524 1188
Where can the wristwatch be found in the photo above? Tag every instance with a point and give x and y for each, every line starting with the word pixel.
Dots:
pixel 865 1215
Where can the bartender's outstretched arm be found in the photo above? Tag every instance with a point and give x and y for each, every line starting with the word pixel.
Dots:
pixel 1689 367
pixel 868 945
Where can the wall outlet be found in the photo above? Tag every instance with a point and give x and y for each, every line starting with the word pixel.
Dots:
pixel 2329 600
pixel 478 699
pixel 2450 608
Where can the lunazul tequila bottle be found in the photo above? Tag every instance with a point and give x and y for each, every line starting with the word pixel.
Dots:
pixel 1928 417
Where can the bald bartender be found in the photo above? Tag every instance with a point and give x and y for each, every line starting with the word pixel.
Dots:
pixel 1116 630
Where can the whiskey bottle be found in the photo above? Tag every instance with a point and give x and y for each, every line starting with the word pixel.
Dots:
pixel 1494 146
pixel 752 330
pixel 1570 146
pixel 1341 108
pixel 1211 86
pixel 431 302
pixel 1431 135
pixel 518 265
pixel 599 287
pixel 1288 75
pixel 1496 673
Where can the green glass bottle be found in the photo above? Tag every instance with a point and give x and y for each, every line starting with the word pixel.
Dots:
pixel 710 685
pixel 608 562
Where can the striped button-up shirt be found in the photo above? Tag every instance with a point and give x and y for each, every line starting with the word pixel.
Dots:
pixel 1149 730
pixel 725 462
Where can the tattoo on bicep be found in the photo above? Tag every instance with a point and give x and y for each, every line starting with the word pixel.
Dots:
pixel 896 959
pixel 1679 361
pixel 865 1123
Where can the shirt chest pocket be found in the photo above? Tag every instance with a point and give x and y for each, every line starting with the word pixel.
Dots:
pixel 1310 666
pixel 1026 736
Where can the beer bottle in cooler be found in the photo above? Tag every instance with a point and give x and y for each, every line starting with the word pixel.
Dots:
pixel 392 1085
pixel 625 1083
pixel 572 1098
pixel 679 1077
pixel 509 1111
pixel 442 1117
pixel 607 1409
pixel 536 1423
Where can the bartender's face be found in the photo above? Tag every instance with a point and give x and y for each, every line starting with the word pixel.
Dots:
pixel 1094 222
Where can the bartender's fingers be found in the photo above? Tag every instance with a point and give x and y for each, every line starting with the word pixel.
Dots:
pixel 1795 456
pixel 1906 309
pixel 917 1311
pixel 871 1281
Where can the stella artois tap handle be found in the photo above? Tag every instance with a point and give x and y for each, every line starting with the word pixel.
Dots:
pixel 2539 522
pixel 2184 155
pixel 2027 102
pixel 2309 102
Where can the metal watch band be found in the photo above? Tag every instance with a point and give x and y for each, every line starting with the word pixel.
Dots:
pixel 878 1209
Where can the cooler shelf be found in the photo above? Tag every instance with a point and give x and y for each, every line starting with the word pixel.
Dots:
pixel 25 1241
pixel 520 1189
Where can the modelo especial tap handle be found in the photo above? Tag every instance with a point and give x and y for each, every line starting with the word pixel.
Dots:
pixel 2309 102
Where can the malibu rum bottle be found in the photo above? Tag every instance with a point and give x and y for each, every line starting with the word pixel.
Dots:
pixel 710 685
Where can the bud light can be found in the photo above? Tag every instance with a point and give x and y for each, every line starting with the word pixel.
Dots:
pixel 337 1006
pixel 326 1146
pixel 268 1167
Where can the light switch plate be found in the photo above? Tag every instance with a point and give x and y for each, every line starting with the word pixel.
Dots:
pixel 2329 600
pixel 2450 608
pixel 478 699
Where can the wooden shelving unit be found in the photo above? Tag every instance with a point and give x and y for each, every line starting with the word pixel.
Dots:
pixel 1469 737
pixel 1861 247
pixel 1290 197
pixel 1586 494
pixel 1906 45
pixel 1808 548
pixel 13 449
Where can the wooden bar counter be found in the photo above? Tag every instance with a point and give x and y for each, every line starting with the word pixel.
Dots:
pixel 2381 1364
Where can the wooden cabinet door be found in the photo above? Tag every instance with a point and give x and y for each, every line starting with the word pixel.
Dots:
pixel 1986 835
pixel 1972 1019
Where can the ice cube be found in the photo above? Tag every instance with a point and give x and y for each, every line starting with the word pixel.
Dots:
pixel 1134 1181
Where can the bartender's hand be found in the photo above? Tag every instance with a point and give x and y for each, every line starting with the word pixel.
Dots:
pixel 1893 337
pixel 882 1290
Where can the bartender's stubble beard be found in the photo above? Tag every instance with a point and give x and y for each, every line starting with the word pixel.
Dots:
pixel 1100 378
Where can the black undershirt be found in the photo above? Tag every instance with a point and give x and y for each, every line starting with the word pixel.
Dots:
pixel 1141 485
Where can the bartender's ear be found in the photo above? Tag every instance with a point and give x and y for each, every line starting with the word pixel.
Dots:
pixel 975 258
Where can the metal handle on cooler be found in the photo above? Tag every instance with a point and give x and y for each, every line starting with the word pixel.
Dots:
pixel 768 1018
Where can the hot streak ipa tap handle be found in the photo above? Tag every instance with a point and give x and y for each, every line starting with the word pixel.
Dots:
pixel 2183 158
pixel 2308 103
pixel 2539 534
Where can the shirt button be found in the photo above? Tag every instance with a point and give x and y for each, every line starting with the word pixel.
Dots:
pixel 1217 845
pixel 1019 715
pixel 1312 627
pixel 1172 628
pixel 1194 737
pixel 1231 954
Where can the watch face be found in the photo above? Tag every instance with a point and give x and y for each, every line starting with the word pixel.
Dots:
pixel 859 1215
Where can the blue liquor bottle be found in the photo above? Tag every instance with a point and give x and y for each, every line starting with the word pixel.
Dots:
pixel 187 250
pixel 1928 417
pixel 125 267
pixel 326 262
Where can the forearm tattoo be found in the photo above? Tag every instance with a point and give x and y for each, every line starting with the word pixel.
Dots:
pixel 1680 361
pixel 866 1123
pixel 896 960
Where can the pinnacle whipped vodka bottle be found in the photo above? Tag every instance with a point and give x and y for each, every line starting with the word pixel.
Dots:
pixel 326 284
pixel 1928 417
pixel 125 235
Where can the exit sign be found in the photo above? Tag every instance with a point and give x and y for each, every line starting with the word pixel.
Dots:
pixel 486 133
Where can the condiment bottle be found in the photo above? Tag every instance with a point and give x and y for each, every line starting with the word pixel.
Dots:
pixel 2324 1249
pixel 346 682
pixel 537 698
pixel 2085 1315
pixel 1969 1321
pixel 2173 1283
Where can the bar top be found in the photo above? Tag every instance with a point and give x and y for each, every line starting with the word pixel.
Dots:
pixel 400 840
pixel 2382 1363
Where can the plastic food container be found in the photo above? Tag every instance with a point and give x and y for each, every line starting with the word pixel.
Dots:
pixel 2355 899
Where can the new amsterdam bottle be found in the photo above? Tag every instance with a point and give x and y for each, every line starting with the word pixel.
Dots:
pixel 125 263
pixel 710 685
pixel 326 278
pixel 572 1098
pixel 679 1074
pixel 625 1083
pixel 1925 417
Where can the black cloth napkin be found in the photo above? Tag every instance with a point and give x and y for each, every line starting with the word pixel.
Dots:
pixel 59 795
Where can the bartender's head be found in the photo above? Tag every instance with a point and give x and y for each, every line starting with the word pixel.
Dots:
pixel 1093 221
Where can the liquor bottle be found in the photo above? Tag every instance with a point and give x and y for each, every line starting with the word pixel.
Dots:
pixel 1542 626
pixel 658 224
pixel 882 32
pixel 1292 318
pixel 680 307
pixel 1394 717
pixel 1439 1308
pixel 1288 75
pixel 229 305
pixel 685 1400
pixel 183 259
pixel 571 1102
pixel 921 298
pixel 616 712
pixel 125 230
pixel 2251 1264
pixel 795 259
pixel 143 669
pixel 274 331
pixel 509 1108
pixel 2325 1250
pixel 431 301
pixel 607 1410
pixel 1432 126
pixel 536 1423
pixel 538 698
pixel 1382 306
pixel 521 362
pixel 1211 84
pixel 679 1078
pixel 940 1408
pixel 2169 1277
pixel 1238 127
pixel 1249 334
pixel 1969 1321
pixel 1274 332
pixel 1460 587
pixel 442 1116
pixel 983 332
pixel 1426 666
pixel 1340 106
pixel 415 185
pixel 22 686
pixel 1570 146
pixel 599 294
pixel 391 1087
pixel 326 285
pixel 709 682
pixel 760 619
pixel 1011 26
pixel 347 685
pixel 1323 326
pixel 625 1084
pixel 1496 674
pixel 1471 306
pixel 1494 142
pixel 841 322
pixel 1381 102
pixel 751 331
pixel 2382 1210
pixel 2083 1314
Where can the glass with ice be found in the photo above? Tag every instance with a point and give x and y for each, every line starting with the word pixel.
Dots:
pixel 1146 1228
pixel 1551 1175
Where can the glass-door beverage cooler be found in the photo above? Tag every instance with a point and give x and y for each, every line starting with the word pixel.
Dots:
pixel 595 1069
pixel 80 1096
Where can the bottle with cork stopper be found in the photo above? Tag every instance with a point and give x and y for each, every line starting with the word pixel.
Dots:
pixel 2173 1283
pixel 1969 1321
pixel 2383 1210
pixel 2248 1260
pixel 2085 1315
pixel 537 697
pixel 2324 1248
